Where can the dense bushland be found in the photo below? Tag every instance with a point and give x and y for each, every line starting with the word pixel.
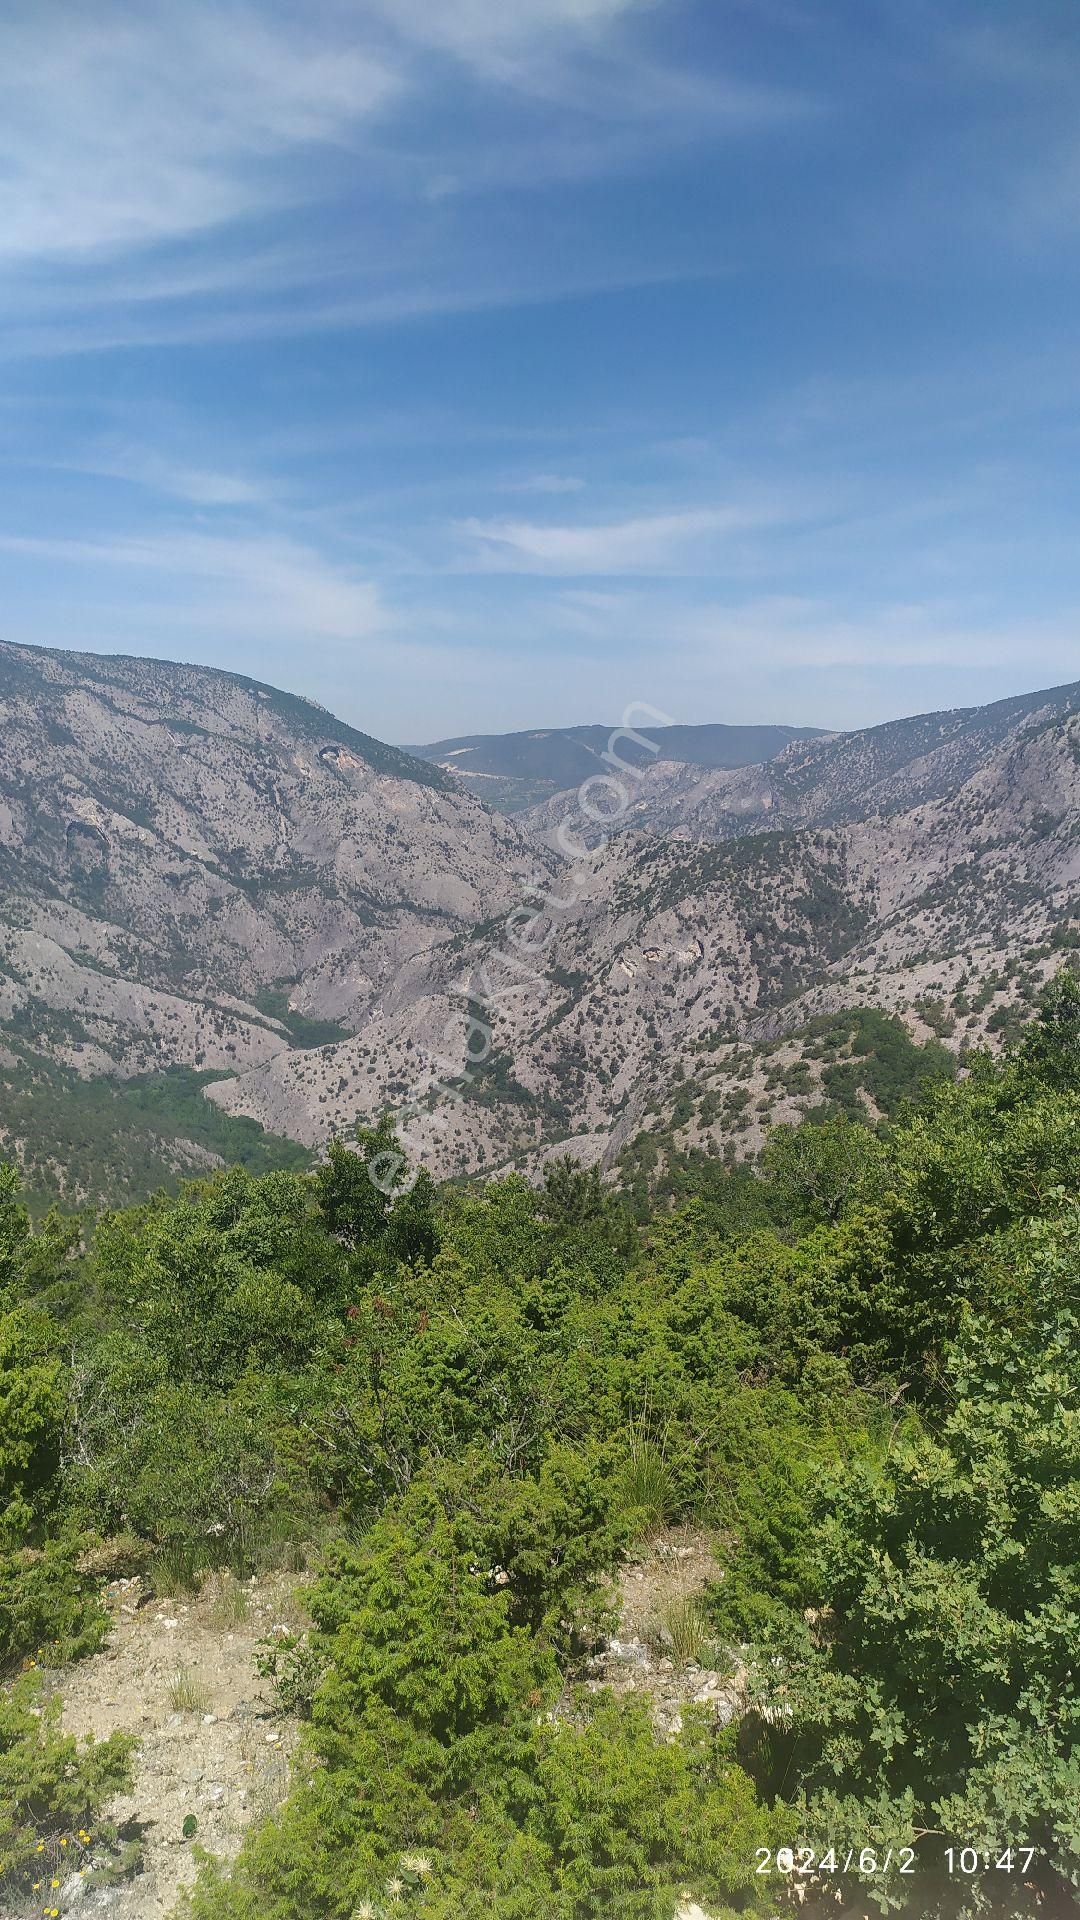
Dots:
pixel 858 1368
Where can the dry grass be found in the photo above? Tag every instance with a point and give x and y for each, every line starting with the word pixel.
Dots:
pixel 229 1607
pixel 186 1693
pixel 686 1629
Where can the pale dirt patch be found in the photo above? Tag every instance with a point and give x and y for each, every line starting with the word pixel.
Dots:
pixel 226 1762
pixel 666 1574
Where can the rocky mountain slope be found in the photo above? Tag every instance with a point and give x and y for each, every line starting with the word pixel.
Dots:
pixel 669 956
pixel 821 781
pixel 202 876
pixel 200 872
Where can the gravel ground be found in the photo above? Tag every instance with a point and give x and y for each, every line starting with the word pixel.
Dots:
pixel 181 1675
pixel 657 1589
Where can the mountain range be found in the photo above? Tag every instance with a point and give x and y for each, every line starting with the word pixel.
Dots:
pixel 515 770
pixel 230 925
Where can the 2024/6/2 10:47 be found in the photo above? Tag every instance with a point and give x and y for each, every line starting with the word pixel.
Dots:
pixel 868 1862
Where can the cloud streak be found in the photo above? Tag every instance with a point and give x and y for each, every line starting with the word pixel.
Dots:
pixel 656 543
pixel 715 641
pixel 316 316
pixel 249 584
pixel 198 174
pixel 120 127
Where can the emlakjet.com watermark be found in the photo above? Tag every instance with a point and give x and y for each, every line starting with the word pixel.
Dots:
pixel 515 963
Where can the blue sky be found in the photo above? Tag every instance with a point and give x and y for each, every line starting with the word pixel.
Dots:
pixel 497 363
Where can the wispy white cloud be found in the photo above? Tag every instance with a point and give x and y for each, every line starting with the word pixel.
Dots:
pixel 655 543
pixel 218 174
pixel 120 126
pixel 260 583
pixel 705 639
pixel 487 33
pixel 547 483
pixel 197 485
pixel 298 297
pixel 156 472
pixel 156 162
pixel 574 54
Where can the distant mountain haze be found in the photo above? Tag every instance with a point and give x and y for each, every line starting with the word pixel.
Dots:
pixel 511 770
pixel 821 778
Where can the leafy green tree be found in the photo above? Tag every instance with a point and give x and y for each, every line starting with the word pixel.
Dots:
pixel 819 1171
pixel 578 1204
pixel 934 1681
pixel 1050 1048
pixel 32 1402
pixel 366 1200
pixel 14 1234
pixel 215 1475
pixel 238 1271
pixel 43 1600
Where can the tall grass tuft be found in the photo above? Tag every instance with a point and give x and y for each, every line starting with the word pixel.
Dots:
pixel 686 1630
pixel 229 1607
pixel 647 1488
pixel 186 1695
pixel 175 1569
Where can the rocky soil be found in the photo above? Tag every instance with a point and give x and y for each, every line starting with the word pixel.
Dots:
pixel 661 1649
pixel 180 1674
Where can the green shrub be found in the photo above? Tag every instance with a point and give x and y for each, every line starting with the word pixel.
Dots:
pixel 50 1789
pixel 935 1680
pixel 854 1365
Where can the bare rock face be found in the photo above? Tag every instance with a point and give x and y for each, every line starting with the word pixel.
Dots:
pixel 200 872
pixel 192 864
pixel 200 829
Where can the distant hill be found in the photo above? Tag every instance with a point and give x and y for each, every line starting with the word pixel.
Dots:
pixel 515 770
pixel 826 779
pixel 805 934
